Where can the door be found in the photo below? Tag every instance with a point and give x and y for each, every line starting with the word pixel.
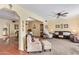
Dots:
pixel 41 30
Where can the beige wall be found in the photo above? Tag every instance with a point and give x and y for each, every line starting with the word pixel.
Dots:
pixel 72 22
pixel 6 24
pixel 3 24
pixel 35 31
pixel 12 27
pixel 24 14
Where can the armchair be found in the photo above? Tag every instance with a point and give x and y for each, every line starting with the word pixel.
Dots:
pixel 33 46
pixel 74 38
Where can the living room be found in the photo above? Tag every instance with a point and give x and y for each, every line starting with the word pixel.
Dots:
pixel 50 30
pixel 59 18
pixel 39 29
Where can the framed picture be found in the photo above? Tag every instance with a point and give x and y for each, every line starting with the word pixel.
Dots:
pixel 57 26
pixel 34 26
pixel 65 25
pixel 16 26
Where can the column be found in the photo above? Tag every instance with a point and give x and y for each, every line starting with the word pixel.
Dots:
pixel 22 35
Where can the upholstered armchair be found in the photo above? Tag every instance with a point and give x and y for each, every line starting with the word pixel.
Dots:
pixel 46 45
pixel 33 46
pixel 74 38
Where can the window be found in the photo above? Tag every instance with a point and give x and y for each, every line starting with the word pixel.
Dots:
pixel 65 25
pixel 57 26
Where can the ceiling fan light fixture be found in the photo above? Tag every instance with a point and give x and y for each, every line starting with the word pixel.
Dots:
pixel 13 21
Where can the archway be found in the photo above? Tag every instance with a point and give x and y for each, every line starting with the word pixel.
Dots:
pixel 35 25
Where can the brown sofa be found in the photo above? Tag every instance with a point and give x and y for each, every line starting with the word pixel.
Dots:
pixel 62 34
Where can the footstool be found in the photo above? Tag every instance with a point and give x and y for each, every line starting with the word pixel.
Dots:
pixel 46 45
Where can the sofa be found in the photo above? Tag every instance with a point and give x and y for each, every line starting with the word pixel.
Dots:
pixel 62 34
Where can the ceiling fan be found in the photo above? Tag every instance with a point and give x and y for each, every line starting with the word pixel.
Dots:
pixel 60 14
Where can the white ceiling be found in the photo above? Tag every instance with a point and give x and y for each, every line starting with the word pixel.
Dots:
pixel 45 10
pixel 6 13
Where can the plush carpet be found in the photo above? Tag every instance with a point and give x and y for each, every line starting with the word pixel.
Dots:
pixel 61 47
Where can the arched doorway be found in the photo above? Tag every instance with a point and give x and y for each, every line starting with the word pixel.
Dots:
pixel 35 25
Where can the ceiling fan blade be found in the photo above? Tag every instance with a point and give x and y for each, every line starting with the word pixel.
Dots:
pixel 66 13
